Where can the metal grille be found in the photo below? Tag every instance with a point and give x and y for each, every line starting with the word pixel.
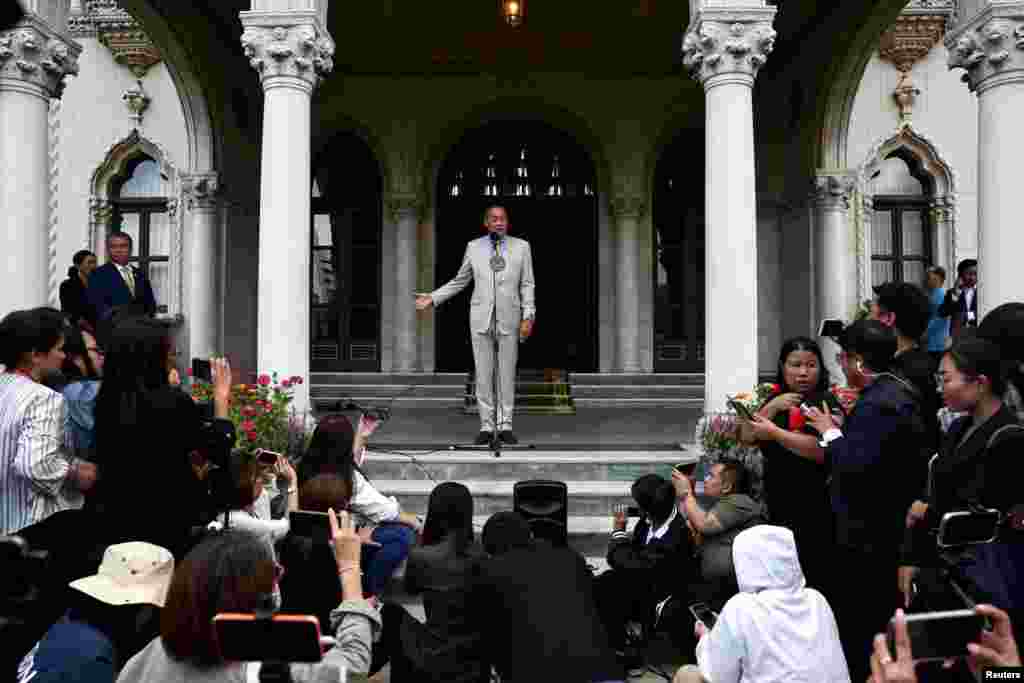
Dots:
pixel 672 352
pixel 325 352
pixel 363 351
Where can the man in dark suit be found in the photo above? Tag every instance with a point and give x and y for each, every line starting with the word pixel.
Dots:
pixel 118 286
pixel 961 302
pixel 647 566
pixel 533 604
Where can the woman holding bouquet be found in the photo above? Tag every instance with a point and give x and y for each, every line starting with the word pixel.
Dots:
pixel 795 471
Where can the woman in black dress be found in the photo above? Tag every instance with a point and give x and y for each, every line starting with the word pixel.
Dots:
pixel 795 471
pixel 73 301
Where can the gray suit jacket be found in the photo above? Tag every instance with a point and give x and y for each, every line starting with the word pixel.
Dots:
pixel 514 297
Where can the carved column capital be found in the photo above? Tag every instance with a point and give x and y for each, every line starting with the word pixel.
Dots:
pixel 628 206
pixel 33 53
pixel 202 190
pixel 401 206
pixel 724 40
pixel 292 44
pixel 943 209
pixel 989 47
pixel 832 191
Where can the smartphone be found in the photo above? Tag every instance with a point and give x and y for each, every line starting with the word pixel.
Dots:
pixel 968 527
pixel 830 327
pixel 686 468
pixel 935 636
pixel 281 638
pixel 265 457
pixel 201 370
pixel 740 409
pixel 315 525
pixel 702 613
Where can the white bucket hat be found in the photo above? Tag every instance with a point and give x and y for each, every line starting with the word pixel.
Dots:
pixel 132 573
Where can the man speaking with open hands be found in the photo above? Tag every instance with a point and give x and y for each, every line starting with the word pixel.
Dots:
pixel 502 309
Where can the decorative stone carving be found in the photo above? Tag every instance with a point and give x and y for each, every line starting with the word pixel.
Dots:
pixel 201 190
pixel 723 40
pixel 137 101
pixel 992 44
pixel 832 190
pixel 910 39
pixel 905 95
pixel 628 207
pixel 33 52
pixel 302 50
pixel 119 32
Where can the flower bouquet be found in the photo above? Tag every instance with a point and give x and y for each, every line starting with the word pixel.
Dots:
pixel 847 396
pixel 261 413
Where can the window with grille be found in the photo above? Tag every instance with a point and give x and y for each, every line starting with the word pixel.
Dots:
pixel 901 249
pixel 140 209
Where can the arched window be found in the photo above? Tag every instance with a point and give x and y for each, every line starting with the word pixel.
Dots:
pixel 901 244
pixel 140 209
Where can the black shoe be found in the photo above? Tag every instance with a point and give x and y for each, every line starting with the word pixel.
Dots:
pixel 483 438
pixel 507 437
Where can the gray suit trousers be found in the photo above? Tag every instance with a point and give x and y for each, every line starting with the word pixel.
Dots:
pixel 483 355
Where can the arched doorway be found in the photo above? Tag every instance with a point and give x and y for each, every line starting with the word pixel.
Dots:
pixel 679 284
pixel 345 277
pixel 545 180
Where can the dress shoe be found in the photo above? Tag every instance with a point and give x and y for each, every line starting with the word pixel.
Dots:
pixel 507 437
pixel 483 438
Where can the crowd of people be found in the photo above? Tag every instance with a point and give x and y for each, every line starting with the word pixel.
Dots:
pixel 153 527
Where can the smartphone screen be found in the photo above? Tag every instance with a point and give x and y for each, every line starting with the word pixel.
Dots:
pixel 283 638
pixel 201 370
pixel 315 525
pixel 940 635
pixel 702 613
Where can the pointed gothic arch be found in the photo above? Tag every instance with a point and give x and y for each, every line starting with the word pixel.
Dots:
pixel 938 178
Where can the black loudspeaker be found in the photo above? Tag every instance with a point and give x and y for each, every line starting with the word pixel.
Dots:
pixel 545 506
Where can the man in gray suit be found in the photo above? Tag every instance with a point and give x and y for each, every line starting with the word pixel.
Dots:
pixel 502 307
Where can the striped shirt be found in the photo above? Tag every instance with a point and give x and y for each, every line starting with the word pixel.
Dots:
pixel 34 467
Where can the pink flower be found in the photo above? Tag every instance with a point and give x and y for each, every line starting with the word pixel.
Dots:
pixel 252 436
pixel 263 380
pixel 286 384
pixel 248 426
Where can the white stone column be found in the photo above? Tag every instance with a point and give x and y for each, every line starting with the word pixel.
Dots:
pixel 34 59
pixel 943 214
pixel 835 258
pixel 627 212
pixel 292 52
pixel 405 211
pixel 723 49
pixel 202 256
pixel 989 45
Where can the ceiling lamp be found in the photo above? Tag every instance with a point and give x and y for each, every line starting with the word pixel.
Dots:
pixel 513 11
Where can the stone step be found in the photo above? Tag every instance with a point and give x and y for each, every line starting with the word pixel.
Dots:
pixel 525 389
pixel 469 466
pixel 400 378
pixel 586 498
pixel 637 379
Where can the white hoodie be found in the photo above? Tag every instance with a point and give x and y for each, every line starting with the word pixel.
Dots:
pixel 775 629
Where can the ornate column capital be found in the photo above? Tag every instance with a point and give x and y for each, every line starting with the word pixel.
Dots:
pixel 403 205
pixel 628 206
pixel 832 191
pixel 911 38
pixel 989 46
pixel 290 43
pixel 202 190
pixel 34 54
pixel 728 40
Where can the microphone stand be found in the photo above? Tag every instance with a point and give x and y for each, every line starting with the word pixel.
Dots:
pixel 495 447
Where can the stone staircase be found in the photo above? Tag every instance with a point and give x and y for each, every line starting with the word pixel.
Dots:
pixel 596 482
pixel 535 393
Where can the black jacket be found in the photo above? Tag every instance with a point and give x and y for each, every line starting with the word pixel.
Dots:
pixel 108 292
pixel 968 472
pixel 666 563
pixel 878 467
pixel 535 609
pixel 918 366
pixel 448 647
pixel 957 311
pixel 74 300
